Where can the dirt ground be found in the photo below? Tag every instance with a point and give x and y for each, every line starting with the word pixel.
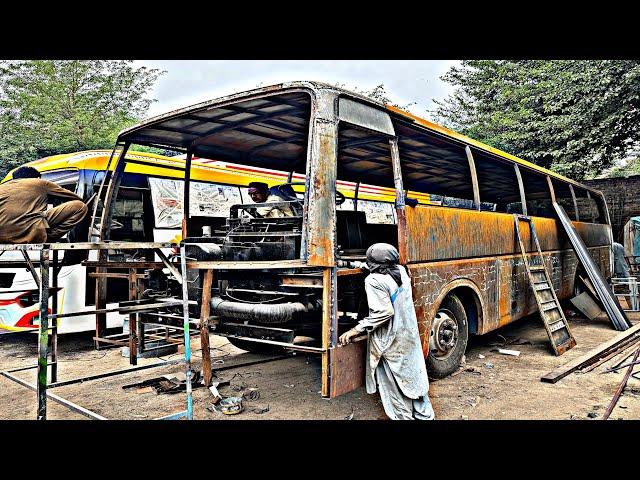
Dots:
pixel 499 387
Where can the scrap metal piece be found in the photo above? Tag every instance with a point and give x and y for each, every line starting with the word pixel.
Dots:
pixel 620 389
pixel 605 295
pixel 231 405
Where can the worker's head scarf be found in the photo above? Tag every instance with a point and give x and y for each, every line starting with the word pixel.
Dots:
pixel 383 258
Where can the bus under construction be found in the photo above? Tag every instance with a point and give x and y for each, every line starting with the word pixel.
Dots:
pixel 448 206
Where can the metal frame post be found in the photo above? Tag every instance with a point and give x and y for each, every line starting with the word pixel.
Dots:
pixel 187 336
pixel 133 317
pixel 54 322
pixel 329 322
pixel 523 197
pixel 43 336
pixel 474 178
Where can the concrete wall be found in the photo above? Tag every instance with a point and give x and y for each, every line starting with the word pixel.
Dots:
pixel 623 200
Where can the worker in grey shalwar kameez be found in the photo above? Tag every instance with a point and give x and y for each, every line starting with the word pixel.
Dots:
pixel 394 355
pixel 620 268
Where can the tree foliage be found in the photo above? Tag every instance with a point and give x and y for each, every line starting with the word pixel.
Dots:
pixel 58 106
pixel 574 117
pixel 379 93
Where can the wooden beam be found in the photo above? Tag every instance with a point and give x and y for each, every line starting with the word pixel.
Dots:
pixel 204 326
pixel 593 355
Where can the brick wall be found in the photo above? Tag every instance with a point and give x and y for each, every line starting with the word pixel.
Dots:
pixel 623 199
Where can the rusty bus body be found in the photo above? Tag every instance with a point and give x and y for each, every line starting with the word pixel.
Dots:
pixel 274 279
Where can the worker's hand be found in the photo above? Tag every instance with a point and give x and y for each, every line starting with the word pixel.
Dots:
pixel 362 266
pixel 346 337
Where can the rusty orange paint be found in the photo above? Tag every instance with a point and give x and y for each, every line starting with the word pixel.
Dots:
pixel 321 216
pixel 435 233
pixel 450 248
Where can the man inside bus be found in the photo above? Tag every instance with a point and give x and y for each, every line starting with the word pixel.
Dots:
pixel 260 193
pixel 394 353
pixel 24 217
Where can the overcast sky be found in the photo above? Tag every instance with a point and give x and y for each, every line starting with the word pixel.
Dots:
pixel 191 81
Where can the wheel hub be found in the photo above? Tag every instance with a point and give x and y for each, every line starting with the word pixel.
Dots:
pixel 444 333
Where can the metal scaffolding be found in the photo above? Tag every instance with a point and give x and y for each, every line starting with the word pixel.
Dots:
pixel 49 262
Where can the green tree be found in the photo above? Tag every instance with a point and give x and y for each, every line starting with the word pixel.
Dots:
pixel 49 107
pixel 574 117
pixel 379 93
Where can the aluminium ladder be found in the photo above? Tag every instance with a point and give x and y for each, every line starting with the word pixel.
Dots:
pixel 549 307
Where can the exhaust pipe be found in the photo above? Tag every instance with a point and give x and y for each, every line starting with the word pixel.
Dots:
pixel 258 312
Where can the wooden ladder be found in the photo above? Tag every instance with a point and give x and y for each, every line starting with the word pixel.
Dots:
pixel 549 307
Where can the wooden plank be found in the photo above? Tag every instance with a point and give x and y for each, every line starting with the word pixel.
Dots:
pixel 592 355
pixel 347 367
pixel 349 271
pixel 624 348
pixel 204 326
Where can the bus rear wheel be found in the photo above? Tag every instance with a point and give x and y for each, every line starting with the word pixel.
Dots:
pixel 448 338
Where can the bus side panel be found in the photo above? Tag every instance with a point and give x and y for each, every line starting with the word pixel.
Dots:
pixel 431 281
pixel 436 233
pixel 500 283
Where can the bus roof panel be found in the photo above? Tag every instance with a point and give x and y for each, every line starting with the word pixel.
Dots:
pixel 179 128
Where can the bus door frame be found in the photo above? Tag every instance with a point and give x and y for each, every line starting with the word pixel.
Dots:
pixel 343 367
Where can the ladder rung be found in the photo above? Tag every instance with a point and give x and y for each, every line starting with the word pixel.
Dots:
pixel 540 285
pixel 557 326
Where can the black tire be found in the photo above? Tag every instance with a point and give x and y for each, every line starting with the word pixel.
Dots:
pixel 255 347
pixel 445 360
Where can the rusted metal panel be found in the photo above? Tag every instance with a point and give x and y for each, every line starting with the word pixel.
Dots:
pixel 500 283
pixel 347 367
pixel 439 232
pixel 365 116
pixel 321 211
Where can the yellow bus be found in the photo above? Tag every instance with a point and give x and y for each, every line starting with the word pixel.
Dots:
pixel 452 221
pixel 149 208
